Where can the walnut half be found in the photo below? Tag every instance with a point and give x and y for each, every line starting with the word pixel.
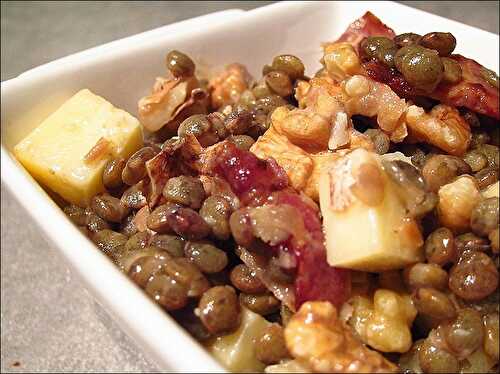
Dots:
pixel 316 335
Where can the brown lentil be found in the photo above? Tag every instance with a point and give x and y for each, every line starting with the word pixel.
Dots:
pixel 246 280
pixel 405 39
pixel 241 227
pixel 470 242
pixel 112 174
pixel 474 277
pixel 425 275
pixel 137 242
pixel 183 271
pixel 452 71
pixel 187 223
pixel 167 292
pixel 173 244
pixel 135 197
pixel 76 214
pixel 128 227
pixel 465 334
pixel 289 64
pixel 144 264
pixel 184 190
pixel 433 303
pixel 440 247
pixel 270 347
pixel 244 142
pixel 421 67
pixel 216 211
pixel 135 168
pixel 208 258
pixel 492 153
pixel 109 208
pixel 491 341
pixel 157 220
pixel 433 359
pixel 443 42
pixel 179 64
pixel 479 138
pixel 94 222
pixel 262 304
pixel 485 216
pixel 279 83
pixel 219 310
pixel 110 242
pixel 439 170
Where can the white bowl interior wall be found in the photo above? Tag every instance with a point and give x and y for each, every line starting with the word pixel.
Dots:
pixel 125 70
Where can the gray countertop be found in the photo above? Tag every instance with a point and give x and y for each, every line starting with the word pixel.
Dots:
pixel 49 322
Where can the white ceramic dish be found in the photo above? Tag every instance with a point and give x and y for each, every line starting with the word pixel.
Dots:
pixel 123 71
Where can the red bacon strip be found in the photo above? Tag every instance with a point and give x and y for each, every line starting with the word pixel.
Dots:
pixel 472 92
pixel 368 25
pixel 254 180
pixel 316 280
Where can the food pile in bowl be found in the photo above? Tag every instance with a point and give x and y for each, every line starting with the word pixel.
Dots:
pixel 346 221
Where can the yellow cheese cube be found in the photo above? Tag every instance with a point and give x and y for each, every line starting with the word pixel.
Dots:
pixel 68 150
pixel 236 351
pixel 362 236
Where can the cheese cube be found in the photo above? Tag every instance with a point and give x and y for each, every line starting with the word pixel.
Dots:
pixel 237 350
pixel 67 152
pixel 363 236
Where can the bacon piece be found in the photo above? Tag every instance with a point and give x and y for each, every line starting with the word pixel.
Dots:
pixel 316 280
pixel 368 25
pixel 259 182
pixel 472 92
pixel 391 77
pixel 250 178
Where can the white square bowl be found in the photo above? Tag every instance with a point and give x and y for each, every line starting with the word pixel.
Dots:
pixel 123 71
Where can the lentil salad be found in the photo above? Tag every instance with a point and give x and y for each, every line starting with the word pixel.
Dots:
pixel 211 219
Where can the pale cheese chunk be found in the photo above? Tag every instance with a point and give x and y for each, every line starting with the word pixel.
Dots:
pixel 236 351
pixel 58 152
pixel 359 236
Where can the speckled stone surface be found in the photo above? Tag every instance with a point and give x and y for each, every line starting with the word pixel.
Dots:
pixel 48 321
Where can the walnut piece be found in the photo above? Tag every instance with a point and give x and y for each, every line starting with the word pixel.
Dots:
pixel 227 87
pixel 385 322
pixel 316 335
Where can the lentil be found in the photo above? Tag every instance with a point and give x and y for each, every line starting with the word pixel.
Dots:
pixel 474 277
pixel 263 304
pixel 220 310
pixel 208 258
pixel 246 280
